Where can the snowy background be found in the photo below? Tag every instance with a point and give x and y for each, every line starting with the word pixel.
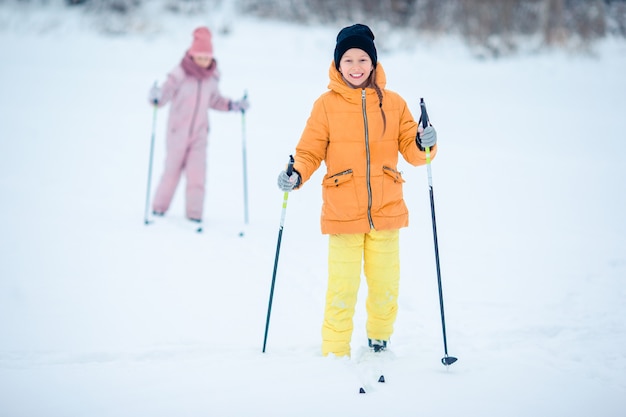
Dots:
pixel 101 315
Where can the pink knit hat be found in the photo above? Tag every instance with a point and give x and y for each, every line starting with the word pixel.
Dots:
pixel 201 42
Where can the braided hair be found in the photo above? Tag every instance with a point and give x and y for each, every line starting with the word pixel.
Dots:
pixel 379 93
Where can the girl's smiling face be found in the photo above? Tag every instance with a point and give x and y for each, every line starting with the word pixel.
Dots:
pixel 202 60
pixel 356 66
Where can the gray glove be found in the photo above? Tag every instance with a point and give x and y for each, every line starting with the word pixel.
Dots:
pixel 240 105
pixel 428 138
pixel 287 183
pixel 154 95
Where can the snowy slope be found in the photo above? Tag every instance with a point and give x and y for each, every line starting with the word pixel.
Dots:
pixel 101 315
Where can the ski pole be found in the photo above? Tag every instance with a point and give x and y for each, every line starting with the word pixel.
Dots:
pixel 245 163
pixel 446 360
pixel 280 236
pixel 154 115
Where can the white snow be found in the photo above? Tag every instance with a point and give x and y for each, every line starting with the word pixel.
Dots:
pixel 103 316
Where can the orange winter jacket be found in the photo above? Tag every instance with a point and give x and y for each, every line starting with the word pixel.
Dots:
pixel 362 188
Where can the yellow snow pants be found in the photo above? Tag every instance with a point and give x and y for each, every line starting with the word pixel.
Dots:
pixel 379 254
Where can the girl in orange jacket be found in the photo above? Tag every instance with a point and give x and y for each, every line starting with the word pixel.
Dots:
pixel 358 128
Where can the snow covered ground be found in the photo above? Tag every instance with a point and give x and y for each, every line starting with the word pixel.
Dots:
pixel 103 316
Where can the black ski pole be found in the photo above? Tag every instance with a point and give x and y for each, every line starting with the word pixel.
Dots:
pixel 154 116
pixel 245 164
pixel 446 360
pixel 280 236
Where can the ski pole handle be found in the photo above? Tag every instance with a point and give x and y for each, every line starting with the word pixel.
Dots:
pixel 424 113
pixel 290 166
pixel 245 96
pixel 155 101
pixel 424 119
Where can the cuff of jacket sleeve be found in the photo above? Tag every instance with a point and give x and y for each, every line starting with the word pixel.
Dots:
pixel 299 182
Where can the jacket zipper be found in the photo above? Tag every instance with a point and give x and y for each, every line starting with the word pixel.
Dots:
pixel 367 159
pixel 195 110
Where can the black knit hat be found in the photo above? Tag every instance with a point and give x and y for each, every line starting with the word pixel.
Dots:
pixel 355 36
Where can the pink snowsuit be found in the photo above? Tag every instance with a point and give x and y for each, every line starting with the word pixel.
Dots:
pixel 187 135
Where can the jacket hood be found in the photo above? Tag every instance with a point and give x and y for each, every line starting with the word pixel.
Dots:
pixel 339 85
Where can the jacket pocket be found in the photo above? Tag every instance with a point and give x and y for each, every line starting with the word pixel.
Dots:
pixel 392 198
pixel 395 175
pixel 340 197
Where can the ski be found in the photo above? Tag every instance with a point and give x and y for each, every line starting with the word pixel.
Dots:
pixel 365 388
pixel 190 225
pixel 369 365
pixel 197 225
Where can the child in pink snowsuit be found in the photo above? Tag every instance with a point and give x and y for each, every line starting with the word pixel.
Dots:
pixel 192 89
